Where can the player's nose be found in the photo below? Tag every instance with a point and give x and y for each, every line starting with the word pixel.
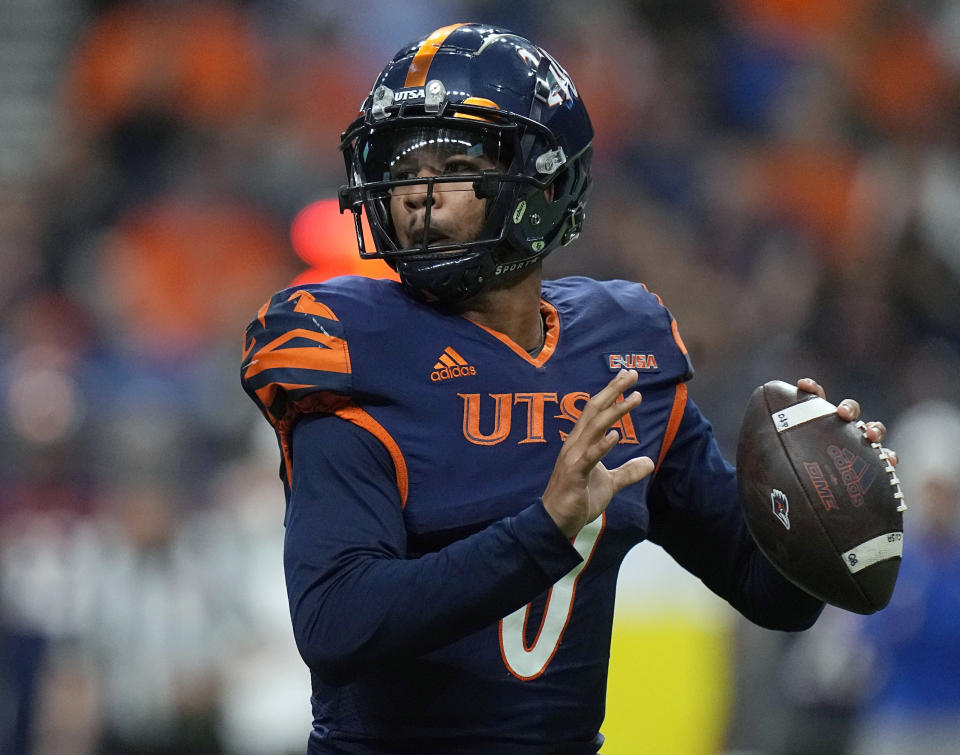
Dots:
pixel 420 197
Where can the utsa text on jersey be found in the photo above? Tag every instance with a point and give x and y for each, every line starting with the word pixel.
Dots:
pixel 534 431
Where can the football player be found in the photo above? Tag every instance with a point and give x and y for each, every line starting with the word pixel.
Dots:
pixel 468 454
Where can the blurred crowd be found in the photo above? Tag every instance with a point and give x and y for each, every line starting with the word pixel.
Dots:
pixel 784 173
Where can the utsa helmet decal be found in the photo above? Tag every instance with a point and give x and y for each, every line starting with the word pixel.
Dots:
pixel 492 96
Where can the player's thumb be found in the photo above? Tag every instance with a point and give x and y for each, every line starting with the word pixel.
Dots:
pixel 631 472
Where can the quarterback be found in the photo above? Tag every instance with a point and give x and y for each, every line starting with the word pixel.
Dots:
pixel 468 454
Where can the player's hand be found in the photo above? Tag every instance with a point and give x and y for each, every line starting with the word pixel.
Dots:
pixel 580 487
pixel 849 409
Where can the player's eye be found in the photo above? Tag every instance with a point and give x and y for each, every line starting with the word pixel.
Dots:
pixel 403 172
pixel 455 166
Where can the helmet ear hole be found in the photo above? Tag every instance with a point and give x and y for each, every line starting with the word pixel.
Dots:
pixel 559 186
pixel 551 191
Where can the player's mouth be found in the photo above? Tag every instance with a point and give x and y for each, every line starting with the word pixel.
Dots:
pixel 433 237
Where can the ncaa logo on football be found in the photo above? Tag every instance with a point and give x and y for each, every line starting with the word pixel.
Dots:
pixel 781 506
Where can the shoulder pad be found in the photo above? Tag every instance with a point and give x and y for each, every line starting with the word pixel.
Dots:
pixel 636 307
pixel 295 357
pixel 687 372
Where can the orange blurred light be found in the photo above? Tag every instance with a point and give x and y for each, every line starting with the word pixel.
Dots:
pixel 181 273
pixel 327 241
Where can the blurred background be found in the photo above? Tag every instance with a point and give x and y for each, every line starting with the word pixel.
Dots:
pixel 784 173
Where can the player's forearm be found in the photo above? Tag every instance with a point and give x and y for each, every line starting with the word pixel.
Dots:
pixel 367 609
pixel 696 517
pixel 769 599
pixel 722 553
pixel 355 597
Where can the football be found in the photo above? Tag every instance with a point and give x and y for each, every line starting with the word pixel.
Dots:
pixel 822 502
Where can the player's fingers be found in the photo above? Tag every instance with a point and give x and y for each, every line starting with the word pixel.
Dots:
pixel 630 472
pixel 609 393
pixel 849 409
pixel 891 456
pixel 607 417
pixel 593 453
pixel 602 400
pixel 875 431
pixel 811 386
pixel 597 427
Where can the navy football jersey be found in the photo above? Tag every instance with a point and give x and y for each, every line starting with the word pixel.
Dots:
pixel 434 600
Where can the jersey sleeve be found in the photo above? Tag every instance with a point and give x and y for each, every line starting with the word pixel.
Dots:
pixel 667 323
pixel 294 349
pixel 355 597
pixel 295 361
pixel 695 516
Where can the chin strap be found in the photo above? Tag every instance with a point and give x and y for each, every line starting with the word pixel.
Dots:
pixel 577 215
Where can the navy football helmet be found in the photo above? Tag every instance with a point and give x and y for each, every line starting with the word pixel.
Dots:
pixel 523 137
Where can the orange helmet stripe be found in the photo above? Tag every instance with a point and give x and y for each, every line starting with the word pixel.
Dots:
pixel 417 75
pixel 477 101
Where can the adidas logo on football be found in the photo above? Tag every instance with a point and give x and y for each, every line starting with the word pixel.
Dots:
pixel 451 365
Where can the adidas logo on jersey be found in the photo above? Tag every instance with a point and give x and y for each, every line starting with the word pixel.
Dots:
pixel 451 365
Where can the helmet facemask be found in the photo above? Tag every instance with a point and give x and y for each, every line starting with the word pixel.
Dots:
pixel 406 171
pixel 402 169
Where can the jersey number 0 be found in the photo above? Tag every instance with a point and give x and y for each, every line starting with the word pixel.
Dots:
pixel 529 662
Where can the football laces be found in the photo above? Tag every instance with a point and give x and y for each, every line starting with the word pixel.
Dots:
pixel 888 467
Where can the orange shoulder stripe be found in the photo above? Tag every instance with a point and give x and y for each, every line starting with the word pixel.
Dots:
pixel 262 313
pixel 244 349
pixel 308 304
pixel 335 357
pixel 673 424
pixel 673 323
pixel 330 403
pixel 676 337
pixel 360 418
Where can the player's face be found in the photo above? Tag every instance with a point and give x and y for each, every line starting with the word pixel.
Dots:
pixel 414 152
pixel 456 214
